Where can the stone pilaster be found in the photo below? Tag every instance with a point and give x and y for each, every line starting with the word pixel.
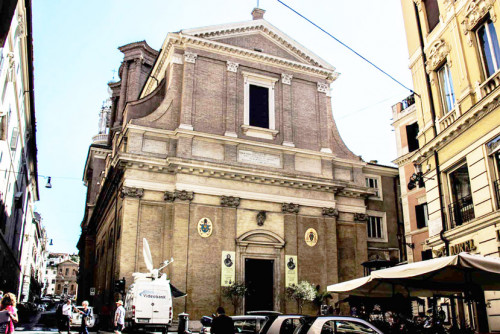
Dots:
pixel 180 239
pixel 291 248
pixel 231 105
pixel 138 66
pixel 123 94
pixel 286 80
pixel 323 117
pixel 186 119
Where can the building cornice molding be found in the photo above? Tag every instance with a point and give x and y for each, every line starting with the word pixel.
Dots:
pixel 461 124
pixel 265 28
pixel 188 41
pixel 233 140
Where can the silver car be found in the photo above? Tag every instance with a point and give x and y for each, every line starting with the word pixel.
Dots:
pixel 335 325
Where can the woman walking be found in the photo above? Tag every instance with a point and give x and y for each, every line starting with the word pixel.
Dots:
pixel 8 304
pixel 85 314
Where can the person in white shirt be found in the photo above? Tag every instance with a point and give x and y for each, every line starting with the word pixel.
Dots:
pixel 119 317
pixel 66 314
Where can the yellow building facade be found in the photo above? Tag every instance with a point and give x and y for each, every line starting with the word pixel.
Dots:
pixel 451 202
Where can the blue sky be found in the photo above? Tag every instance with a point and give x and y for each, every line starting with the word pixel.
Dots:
pixel 75 52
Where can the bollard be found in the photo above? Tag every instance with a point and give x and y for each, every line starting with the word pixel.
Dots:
pixel 183 326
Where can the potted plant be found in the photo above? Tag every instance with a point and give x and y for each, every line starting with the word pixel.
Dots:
pixel 302 292
pixel 235 293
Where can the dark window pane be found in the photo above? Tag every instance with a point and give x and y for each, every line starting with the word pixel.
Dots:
pixel 460 183
pixel 494 43
pixel 426 255
pixel 485 47
pixel 432 11
pixel 411 134
pixel 422 215
pixel 259 106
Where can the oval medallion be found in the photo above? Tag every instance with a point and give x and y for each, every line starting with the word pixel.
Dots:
pixel 205 227
pixel 311 237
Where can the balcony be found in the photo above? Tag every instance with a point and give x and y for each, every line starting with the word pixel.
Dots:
pixel 449 118
pixel 496 185
pixel 490 85
pixel 462 211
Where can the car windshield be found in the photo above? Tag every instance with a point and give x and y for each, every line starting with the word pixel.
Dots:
pixel 305 324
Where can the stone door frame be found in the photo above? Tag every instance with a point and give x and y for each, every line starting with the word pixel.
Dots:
pixel 261 244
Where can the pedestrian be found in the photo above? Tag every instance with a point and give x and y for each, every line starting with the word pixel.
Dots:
pixel 59 317
pixel 119 320
pixel 8 304
pixel 66 316
pixel 85 315
pixel 222 324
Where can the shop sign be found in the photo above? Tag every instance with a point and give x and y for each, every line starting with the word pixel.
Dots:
pixel 227 268
pixel 466 246
pixel 291 270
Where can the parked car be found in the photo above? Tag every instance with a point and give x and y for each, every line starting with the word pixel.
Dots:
pixel 282 324
pixel 243 324
pixel 76 318
pixel 334 325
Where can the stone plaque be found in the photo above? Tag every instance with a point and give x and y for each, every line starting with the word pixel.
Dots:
pixel 259 158
pixel 228 268
pixel 311 237
pixel 291 270
pixel 205 227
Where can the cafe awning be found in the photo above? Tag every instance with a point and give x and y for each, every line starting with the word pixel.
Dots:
pixel 445 275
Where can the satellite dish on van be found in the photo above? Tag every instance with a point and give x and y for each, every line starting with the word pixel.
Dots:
pixel 148 259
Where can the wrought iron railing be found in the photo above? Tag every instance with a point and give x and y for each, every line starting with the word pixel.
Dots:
pixel 461 211
pixel 496 184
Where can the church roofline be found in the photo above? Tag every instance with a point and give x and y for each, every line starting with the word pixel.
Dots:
pixel 224 30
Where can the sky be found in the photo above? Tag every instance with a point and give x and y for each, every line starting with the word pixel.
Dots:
pixel 76 55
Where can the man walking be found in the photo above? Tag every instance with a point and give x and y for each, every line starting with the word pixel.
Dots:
pixel 222 324
pixel 119 320
pixel 66 315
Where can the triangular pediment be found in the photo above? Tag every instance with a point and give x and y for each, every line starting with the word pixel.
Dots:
pixel 260 35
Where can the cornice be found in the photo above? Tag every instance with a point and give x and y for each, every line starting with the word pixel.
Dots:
pixel 233 140
pixel 267 29
pixel 184 41
pixel 462 124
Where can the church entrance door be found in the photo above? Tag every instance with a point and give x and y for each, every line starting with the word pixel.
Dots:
pixel 259 278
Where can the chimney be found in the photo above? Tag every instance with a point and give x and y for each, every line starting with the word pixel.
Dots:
pixel 258 14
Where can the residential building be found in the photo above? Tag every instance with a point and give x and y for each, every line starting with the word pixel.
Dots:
pixel 66 279
pixel 18 162
pixel 33 260
pixel 222 153
pixel 451 201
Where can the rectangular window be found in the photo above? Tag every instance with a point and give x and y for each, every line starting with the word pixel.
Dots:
pixel 488 44
pixel 259 106
pixel 422 215
pixel 13 139
pixel 426 255
pixel 374 227
pixel 411 135
pixel 372 182
pixel 446 88
pixel 462 208
pixel 432 13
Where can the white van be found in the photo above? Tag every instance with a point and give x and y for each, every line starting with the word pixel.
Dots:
pixel 148 304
